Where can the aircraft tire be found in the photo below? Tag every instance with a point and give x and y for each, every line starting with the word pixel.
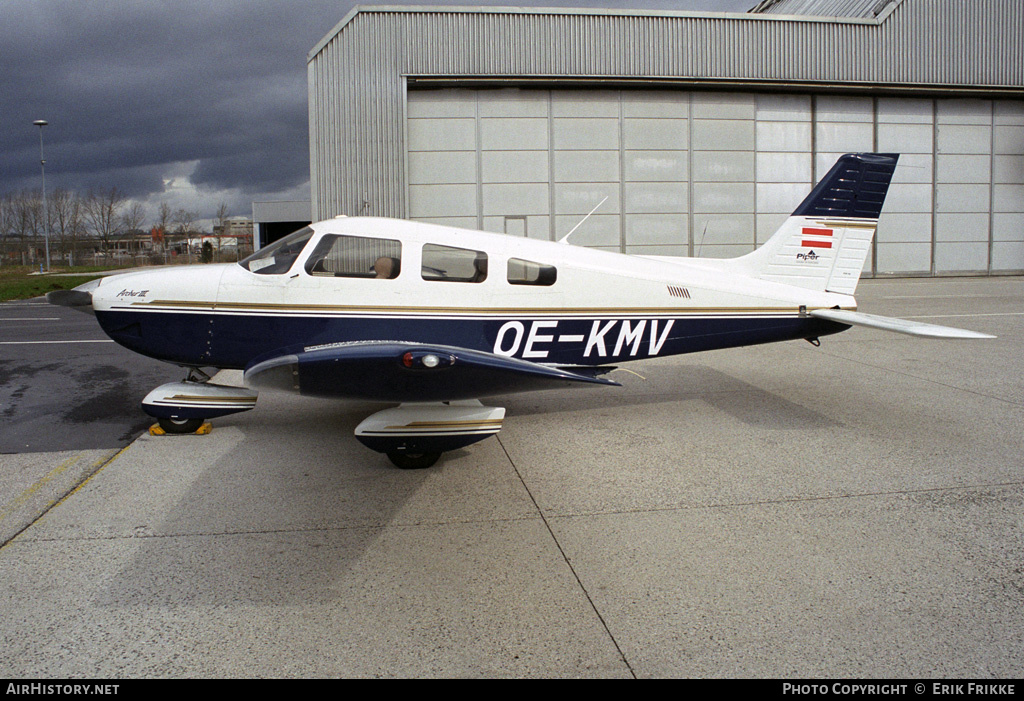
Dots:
pixel 412 461
pixel 180 425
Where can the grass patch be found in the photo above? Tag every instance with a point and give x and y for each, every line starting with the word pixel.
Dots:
pixel 17 283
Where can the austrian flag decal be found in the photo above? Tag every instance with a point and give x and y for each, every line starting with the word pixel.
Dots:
pixel 823 238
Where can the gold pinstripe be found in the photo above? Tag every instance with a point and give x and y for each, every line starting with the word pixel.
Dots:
pixel 209 400
pixel 422 425
pixel 497 311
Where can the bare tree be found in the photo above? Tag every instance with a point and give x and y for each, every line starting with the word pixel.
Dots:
pixel 184 221
pixel 102 212
pixel 162 227
pixel 7 228
pixel 184 226
pixel 133 218
pixel 222 215
pixel 164 217
pixel 27 220
pixel 66 221
pixel 222 224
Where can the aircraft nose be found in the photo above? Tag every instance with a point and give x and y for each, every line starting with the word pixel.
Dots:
pixel 79 299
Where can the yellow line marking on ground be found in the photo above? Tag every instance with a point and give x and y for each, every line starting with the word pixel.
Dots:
pixel 22 498
pixel 95 469
pixel 99 465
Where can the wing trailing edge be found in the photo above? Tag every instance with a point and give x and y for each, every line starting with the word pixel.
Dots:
pixel 887 323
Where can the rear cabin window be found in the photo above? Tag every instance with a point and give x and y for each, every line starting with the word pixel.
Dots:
pixel 448 264
pixel 277 258
pixel 355 256
pixel 526 272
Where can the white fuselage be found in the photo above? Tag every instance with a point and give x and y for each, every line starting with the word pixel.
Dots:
pixel 601 307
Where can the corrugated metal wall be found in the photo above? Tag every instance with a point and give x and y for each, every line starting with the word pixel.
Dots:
pixel 358 75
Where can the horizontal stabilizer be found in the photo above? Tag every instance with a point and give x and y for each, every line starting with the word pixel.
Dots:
pixel 887 323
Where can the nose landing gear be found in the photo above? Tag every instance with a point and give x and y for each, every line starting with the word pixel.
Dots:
pixel 183 407
pixel 177 426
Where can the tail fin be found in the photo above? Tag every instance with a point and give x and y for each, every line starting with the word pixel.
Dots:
pixel 825 241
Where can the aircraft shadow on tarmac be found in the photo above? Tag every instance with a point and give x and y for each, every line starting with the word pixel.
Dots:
pixel 294 505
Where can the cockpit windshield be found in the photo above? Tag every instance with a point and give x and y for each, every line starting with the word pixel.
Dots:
pixel 277 258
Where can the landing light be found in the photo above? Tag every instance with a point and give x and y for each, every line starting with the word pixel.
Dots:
pixel 429 361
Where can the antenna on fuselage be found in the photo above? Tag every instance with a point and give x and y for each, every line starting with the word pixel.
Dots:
pixel 565 239
pixel 701 244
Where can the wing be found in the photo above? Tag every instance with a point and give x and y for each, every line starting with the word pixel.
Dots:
pixel 886 323
pixel 409 372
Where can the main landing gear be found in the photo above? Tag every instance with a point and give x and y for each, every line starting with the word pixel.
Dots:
pixel 411 460
pixel 413 436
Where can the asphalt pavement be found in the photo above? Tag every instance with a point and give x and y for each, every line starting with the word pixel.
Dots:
pixel 64 385
pixel 854 510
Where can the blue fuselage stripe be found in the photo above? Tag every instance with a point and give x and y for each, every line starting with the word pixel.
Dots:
pixel 229 340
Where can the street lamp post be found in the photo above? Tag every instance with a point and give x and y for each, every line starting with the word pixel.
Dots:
pixel 46 212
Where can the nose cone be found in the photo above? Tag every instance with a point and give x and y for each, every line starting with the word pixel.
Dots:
pixel 79 299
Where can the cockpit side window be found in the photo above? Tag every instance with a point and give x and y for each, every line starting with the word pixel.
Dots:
pixel 526 272
pixel 355 256
pixel 449 264
pixel 277 258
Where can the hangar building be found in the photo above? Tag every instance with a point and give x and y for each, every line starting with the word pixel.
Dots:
pixel 701 131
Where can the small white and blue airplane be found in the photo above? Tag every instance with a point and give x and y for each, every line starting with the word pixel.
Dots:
pixel 434 318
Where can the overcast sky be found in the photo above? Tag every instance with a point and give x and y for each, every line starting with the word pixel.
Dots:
pixel 189 103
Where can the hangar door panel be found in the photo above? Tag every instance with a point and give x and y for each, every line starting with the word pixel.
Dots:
pixel 535 162
pixel 442 157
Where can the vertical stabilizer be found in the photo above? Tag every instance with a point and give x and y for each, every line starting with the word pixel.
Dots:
pixel 824 243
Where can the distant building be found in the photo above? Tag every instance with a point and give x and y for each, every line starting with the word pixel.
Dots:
pixel 239 229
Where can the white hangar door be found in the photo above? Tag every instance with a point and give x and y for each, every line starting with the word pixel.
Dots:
pixel 713 174
pixel 535 162
pixel 709 174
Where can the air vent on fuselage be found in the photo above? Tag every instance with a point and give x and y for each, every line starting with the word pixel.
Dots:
pixel 678 291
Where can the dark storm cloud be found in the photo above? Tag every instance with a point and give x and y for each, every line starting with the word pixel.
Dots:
pixel 131 87
pixel 134 89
